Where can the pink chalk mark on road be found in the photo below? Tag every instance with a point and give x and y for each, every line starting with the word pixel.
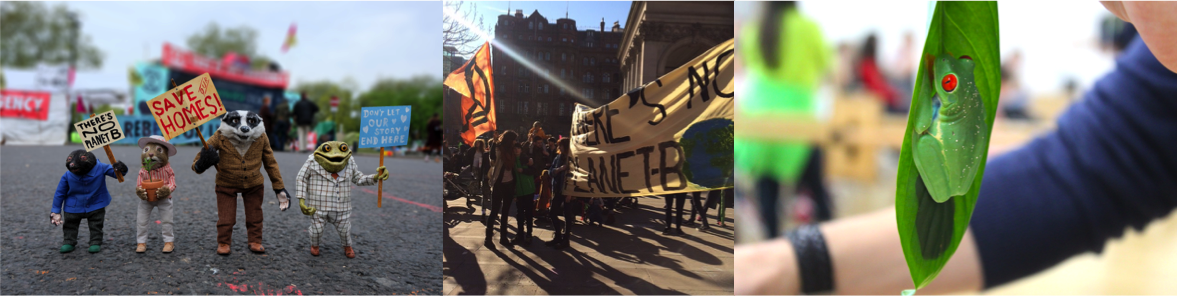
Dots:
pixel 157 221
pixel 390 196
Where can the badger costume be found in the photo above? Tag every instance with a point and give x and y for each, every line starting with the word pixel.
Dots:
pixel 323 181
pixel 238 150
pixel 81 194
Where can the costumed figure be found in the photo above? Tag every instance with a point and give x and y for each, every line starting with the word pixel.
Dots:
pixel 238 150
pixel 81 194
pixel 154 186
pixel 324 194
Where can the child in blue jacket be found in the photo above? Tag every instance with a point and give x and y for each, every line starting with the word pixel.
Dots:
pixel 81 194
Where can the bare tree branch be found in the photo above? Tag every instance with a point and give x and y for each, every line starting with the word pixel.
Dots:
pixel 464 39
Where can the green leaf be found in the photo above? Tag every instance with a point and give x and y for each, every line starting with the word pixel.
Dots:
pixel 931 229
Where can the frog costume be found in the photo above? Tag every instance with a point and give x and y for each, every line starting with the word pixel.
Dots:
pixel 324 194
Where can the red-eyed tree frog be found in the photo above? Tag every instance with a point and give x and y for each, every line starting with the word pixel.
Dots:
pixel 951 128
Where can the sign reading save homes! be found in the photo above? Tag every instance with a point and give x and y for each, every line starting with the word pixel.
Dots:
pixel 673 135
pixel 100 130
pixel 197 98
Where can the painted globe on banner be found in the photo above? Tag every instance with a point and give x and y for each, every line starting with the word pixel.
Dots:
pixel 707 146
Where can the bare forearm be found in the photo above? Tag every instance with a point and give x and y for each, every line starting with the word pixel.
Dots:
pixel 866 257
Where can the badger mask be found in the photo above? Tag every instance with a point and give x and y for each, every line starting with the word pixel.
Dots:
pixel 242 128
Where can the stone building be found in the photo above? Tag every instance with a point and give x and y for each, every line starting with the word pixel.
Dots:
pixel 584 61
pixel 661 36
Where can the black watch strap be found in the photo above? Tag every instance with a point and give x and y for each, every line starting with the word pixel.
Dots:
pixel 814 265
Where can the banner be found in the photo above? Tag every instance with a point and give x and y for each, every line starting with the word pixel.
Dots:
pixel 24 104
pixel 179 59
pixel 153 81
pixel 100 130
pixel 138 126
pixel 196 98
pixel 384 126
pixel 673 135
pixel 474 81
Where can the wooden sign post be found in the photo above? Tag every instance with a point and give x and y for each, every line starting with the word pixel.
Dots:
pixel 379 187
pixel 99 131
pixel 187 106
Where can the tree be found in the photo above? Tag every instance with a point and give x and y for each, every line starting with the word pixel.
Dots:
pixel 31 33
pixel 215 42
pixel 458 35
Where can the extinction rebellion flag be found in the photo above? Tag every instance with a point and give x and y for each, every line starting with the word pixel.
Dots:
pixel 673 135
pixel 475 84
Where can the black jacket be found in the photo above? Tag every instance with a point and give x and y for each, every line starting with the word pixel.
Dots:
pixel 304 112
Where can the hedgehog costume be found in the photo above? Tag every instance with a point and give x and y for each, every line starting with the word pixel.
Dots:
pixel 323 181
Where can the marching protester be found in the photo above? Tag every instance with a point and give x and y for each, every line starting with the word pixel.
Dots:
pixel 561 204
pixel 433 143
pixel 268 121
pixel 304 116
pixel 677 199
pixel 502 177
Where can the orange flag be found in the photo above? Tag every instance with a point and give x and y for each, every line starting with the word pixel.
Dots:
pixel 477 87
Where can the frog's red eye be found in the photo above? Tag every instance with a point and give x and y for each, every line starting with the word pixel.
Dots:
pixel 949 82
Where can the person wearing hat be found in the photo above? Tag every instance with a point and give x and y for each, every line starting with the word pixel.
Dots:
pixel 156 152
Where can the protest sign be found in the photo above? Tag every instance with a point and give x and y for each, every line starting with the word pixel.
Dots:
pixel 24 104
pixel 100 130
pixel 673 135
pixel 384 126
pixel 474 81
pixel 197 98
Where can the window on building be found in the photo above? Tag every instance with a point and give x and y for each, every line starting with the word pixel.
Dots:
pixel 564 40
pixel 549 39
pixel 592 61
pixel 547 56
pixel 563 57
pixel 562 73
pixel 590 44
pixel 605 77
pixel 566 26
pixel 520 37
pixel 560 109
pixel 585 61
pixel 529 25
pixel 541 24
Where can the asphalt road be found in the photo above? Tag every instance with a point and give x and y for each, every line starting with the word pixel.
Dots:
pixel 398 246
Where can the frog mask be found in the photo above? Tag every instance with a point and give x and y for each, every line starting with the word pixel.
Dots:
pixel 333 156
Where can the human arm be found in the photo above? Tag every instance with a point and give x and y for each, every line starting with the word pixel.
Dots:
pixel 63 187
pixel 1154 21
pixel 866 258
pixel 301 183
pixel 271 167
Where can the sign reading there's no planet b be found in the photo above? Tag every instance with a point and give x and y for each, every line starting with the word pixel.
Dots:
pixel 384 126
pixel 100 130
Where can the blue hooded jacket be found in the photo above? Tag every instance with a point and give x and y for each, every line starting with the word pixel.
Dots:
pixel 83 194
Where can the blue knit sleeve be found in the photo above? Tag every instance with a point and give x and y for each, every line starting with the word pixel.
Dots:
pixel 1109 165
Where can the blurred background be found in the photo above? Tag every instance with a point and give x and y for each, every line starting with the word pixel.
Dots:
pixel 90 57
pixel 835 154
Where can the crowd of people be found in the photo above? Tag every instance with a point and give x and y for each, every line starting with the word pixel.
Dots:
pixel 530 171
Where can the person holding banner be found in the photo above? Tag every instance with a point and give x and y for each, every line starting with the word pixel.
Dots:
pixel 677 199
pixel 502 177
pixel 304 117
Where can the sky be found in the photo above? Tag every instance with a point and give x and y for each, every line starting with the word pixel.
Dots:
pixel 1058 42
pixel 588 14
pixel 363 41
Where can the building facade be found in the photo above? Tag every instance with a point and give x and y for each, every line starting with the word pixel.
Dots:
pixel 547 55
pixel 661 36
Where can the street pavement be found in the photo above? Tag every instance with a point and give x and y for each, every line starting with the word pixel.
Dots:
pixel 398 246
pixel 632 256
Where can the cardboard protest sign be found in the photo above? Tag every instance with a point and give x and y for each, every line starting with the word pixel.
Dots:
pixel 100 130
pixel 24 104
pixel 197 98
pixel 673 135
pixel 476 84
pixel 384 126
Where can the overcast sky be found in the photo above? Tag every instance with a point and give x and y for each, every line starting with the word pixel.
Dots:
pixel 1058 41
pixel 361 40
